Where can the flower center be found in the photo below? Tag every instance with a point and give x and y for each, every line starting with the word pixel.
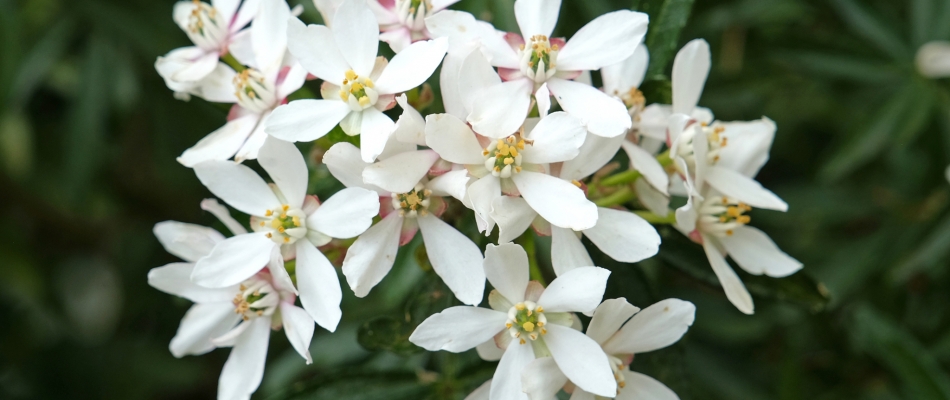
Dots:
pixel 256 298
pixel 539 59
pixel 503 157
pixel 414 203
pixel 358 91
pixel 526 320
pixel 412 13
pixel 720 215
pixel 284 225
pixel 205 28
pixel 633 99
pixel 253 91
pixel 714 140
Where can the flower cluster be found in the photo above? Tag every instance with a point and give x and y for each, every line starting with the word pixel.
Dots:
pixel 502 149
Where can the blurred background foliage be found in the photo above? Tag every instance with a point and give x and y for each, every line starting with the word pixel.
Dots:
pixel 89 136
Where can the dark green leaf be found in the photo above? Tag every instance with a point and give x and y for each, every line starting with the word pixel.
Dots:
pixel 667 19
pixel 870 27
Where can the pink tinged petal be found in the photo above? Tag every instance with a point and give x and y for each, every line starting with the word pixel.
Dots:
pixel 624 236
pixel 654 201
pixel 578 290
pixel 513 216
pixel 506 267
pixel 556 200
pixel 594 154
pixel 412 66
pixel 542 379
pixel 201 323
pixel 735 290
pixel 457 329
pixel 319 286
pixel 233 261
pixel 581 359
pixel 399 39
pixel 356 35
pixel 756 253
pixel 557 137
pixel 411 126
pixel 189 242
pixel 371 257
pixel 375 129
pixel 537 17
pixel 475 75
pixel 690 69
pixel 498 111
pixel 567 251
pixel 237 185
pixel 642 387
pixel 482 193
pixel 175 279
pixel 482 392
pixel 749 144
pixel 654 328
pixel 346 165
pixel 648 166
pixel 227 8
pixel 489 351
pixel 506 383
pixel 384 11
pixel 452 183
pixel 305 120
pixel 346 214
pixel 604 115
pixel 608 318
pixel 400 173
pixel 608 39
pixel 287 168
pixel 628 74
pixel 221 144
pixel 453 139
pixel 269 35
pixel 244 369
pixel 455 258
pixel 743 188
pixel 314 48
pixel 299 329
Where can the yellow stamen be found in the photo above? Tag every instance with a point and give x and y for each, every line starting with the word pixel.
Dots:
pixel 528 326
pixel 351 75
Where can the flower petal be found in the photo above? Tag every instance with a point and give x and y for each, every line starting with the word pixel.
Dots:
pixel 690 69
pixel 356 35
pixel 558 201
pixel 175 279
pixel 305 120
pixel 189 242
pixel 743 188
pixel 648 166
pixel 602 114
pixel 482 193
pixel 222 143
pixel 498 111
pixel 578 290
pixel 642 387
pixel 628 74
pixel 654 328
pixel 537 17
pixel 453 139
pixel 489 350
pixel 371 256
pixel 457 329
pixel 452 183
pixel 624 236
pixel 375 131
pixel 567 251
pixel 269 35
pixel 506 383
pixel 482 392
pixel 313 46
pixel 594 154
pixel 513 216
pixel 402 172
pixel 237 185
pixel 201 323
pixel 756 253
pixel 557 137
pixel 581 359
pixel 455 258
pixel 233 260
pixel 412 66
pixel 506 267
pixel 244 369
pixel 749 144
pixel 299 329
pixel 581 394
pixel 346 214
pixel 652 199
pixel 398 39
pixel 411 126
pixel 319 286
pixel 608 318
pixel 542 379
pixel 475 75
pixel 252 146
pixel 346 165
pixel 287 168
pixel 735 290
pixel 608 39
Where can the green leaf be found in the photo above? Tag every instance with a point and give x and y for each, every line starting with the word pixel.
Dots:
pixel 843 66
pixel 667 19
pixel 865 24
pixel 40 60
pixel 376 386
pixel 921 21
pixel 931 253
pixel 387 333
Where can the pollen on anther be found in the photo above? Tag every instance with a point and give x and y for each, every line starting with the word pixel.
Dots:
pixel 269 235
pixel 286 239
pixel 729 232
pixel 268 213
pixel 285 207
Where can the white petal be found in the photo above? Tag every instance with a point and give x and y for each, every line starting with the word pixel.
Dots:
pixel 221 212
pixel 453 139
pixel 537 17
pixel 453 183
pixel 686 215
pixel 305 120
pixel 690 68
pixel 642 387
pixel 218 86
pixel 269 34
pixel 654 120
pixel 542 379
pixel 567 251
pixel 237 185
pixel 222 143
pixel 624 236
pixel 756 253
pixel 346 214
pixel 608 39
pixel 455 258
pixel 346 165
pixel 578 290
pixel 457 329
pixel 252 146
pixel 314 48
pixel 189 242
pixel 498 111
pixel 201 323
pixel 319 286
pixel 557 200
pixel 513 216
pixel 371 256
pixel 735 290
pixel 227 8
pixel 596 152
pixel 557 137
pixel 244 369
pixel 401 172
pixel 652 199
pixel 580 394
pixel 180 69
pixel 482 193
pixel 656 327
pixel 628 74
pixel 543 97
pixel 482 392
pixel 749 144
pixel 412 66
pixel 299 329
pixel 398 39
pixel 581 359
pixel 449 85
pixel 506 383
pixel 375 130
pixel 489 350
pixel 411 126
pixel 608 318
pixel 356 35
pixel 279 276
pixel 648 166
pixel 743 188
pixel 604 115
pixel 233 260
pixel 175 279
pixel 287 168
pixel 506 267
pixel 293 81
pixel 475 74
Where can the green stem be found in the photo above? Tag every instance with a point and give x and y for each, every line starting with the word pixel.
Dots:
pixel 621 196
pixel 657 219
pixel 622 178
pixel 527 242
pixel 233 62
pixel 664 159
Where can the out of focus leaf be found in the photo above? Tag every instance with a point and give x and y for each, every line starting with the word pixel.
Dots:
pixel 16 144
pixel 363 387
pixel 843 66
pixel 799 289
pixel 38 63
pixel 86 123
pixel 387 333
pixel 922 14
pixel 870 27
pixel 667 19
pixel 932 252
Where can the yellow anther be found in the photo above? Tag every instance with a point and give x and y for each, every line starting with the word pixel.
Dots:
pixel 509 160
pixel 344 95
pixel 351 75
pixel 368 83
pixel 519 306
pixel 280 229
pixel 544 331
pixel 507 325
pixel 364 101
pixel 485 152
pixel 528 326
pixel 286 239
pixel 510 139
pixel 283 215
pixel 521 144
pixel 263 224
pixel 723 219
pixel 296 221
pixel 529 313
pixel 269 235
pixel 522 341
pixel 517 169
pixel 268 213
pixel 733 211
pixel 576 183
pixel 356 86
pixel 729 232
pixel 539 309
pixel 540 323
pixel 285 207
pixel 622 384
pixel 496 169
pixel 744 219
pixel 274 223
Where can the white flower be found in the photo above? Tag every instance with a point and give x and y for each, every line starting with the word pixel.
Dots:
pixel 656 327
pixel 357 88
pixel 410 203
pixel 287 223
pixel 239 316
pixel 518 165
pixel 526 321
pixel 933 59
pixel 256 90
pixel 403 21
pixel 212 28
